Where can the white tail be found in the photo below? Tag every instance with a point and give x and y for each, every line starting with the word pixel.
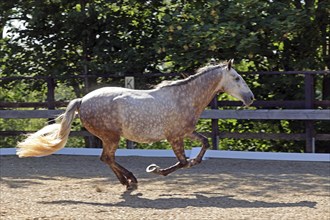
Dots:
pixel 51 138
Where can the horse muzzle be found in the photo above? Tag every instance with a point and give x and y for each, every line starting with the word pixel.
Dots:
pixel 247 98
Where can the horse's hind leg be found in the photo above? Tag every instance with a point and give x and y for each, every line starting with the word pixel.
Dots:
pixel 178 149
pixel 108 156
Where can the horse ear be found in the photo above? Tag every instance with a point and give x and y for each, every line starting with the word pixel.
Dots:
pixel 230 63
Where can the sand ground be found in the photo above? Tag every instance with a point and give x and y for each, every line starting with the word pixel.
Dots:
pixel 82 187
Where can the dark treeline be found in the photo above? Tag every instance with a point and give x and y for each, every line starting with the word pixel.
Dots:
pixel 68 37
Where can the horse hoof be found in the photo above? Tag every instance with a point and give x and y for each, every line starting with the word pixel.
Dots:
pixel 132 186
pixel 153 168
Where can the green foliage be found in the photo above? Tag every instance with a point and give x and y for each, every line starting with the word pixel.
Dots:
pixel 65 38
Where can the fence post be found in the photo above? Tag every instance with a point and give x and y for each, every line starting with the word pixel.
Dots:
pixel 309 104
pixel 129 83
pixel 51 96
pixel 51 93
pixel 215 125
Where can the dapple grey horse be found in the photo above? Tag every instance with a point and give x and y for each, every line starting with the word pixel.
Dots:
pixel 168 112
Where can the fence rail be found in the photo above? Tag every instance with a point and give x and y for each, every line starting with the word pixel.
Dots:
pixel 301 114
pixel 289 104
pixel 285 114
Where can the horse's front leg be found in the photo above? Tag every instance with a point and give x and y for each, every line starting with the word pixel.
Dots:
pixel 178 149
pixel 205 145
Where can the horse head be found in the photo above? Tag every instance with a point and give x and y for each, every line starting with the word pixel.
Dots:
pixel 233 84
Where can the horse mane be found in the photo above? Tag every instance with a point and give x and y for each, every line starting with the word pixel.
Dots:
pixel 200 72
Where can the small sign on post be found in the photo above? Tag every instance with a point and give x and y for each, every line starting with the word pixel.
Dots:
pixel 129 82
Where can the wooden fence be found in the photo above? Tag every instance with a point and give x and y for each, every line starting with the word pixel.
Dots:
pixel 293 110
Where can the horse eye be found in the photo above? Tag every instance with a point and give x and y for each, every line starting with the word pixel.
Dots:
pixel 237 79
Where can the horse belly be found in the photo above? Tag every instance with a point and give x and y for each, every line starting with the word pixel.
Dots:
pixel 143 131
pixel 143 137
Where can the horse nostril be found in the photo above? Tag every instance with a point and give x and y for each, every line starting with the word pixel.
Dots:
pixel 252 98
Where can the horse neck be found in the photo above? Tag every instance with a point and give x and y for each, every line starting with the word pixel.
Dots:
pixel 200 91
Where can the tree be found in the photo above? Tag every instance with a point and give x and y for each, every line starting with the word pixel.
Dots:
pixel 77 37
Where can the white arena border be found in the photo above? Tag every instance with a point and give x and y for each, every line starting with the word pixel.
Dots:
pixel 316 157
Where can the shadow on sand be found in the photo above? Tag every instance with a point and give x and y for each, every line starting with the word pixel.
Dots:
pixel 200 200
